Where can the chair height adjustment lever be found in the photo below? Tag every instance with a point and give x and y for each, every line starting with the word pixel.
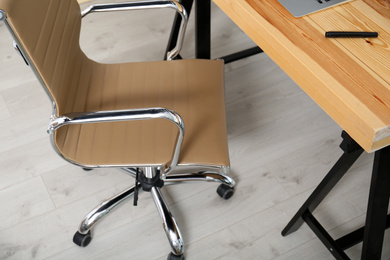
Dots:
pixel 146 183
pixel 136 188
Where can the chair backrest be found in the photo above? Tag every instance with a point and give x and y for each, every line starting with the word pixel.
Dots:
pixel 48 32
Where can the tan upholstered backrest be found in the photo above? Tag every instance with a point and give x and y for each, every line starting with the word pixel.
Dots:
pixel 49 31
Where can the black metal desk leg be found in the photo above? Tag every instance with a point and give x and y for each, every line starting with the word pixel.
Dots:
pixel 352 151
pixel 378 203
pixel 325 238
pixel 202 29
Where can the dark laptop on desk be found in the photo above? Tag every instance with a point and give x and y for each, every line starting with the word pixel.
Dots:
pixel 299 8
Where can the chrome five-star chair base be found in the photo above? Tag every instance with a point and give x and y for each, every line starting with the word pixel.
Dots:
pixel 148 179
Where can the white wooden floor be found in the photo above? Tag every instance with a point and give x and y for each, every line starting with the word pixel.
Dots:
pixel 281 145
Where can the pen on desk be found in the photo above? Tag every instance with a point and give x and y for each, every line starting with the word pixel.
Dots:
pixel 351 34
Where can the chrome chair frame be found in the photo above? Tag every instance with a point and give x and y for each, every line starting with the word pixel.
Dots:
pixel 123 115
pixel 202 173
pixel 147 4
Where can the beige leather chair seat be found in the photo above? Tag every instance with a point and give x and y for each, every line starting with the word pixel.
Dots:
pixel 196 91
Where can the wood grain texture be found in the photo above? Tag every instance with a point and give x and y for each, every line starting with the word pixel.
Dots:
pixel 348 78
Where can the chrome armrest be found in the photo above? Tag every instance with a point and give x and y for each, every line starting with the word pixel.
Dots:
pixel 147 4
pixel 124 115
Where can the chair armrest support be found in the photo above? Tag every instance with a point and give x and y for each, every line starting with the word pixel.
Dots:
pixel 124 115
pixel 147 4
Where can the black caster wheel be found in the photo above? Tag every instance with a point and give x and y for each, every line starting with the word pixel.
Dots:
pixel 87 169
pixel 82 240
pixel 171 256
pixel 225 191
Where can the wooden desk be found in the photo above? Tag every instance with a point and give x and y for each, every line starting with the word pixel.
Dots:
pixel 348 78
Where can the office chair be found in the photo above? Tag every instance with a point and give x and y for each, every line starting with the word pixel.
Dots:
pixel 161 122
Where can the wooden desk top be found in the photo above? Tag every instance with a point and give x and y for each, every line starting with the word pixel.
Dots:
pixel 348 78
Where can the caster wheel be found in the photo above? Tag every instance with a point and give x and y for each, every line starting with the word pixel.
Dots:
pixel 87 169
pixel 171 256
pixel 82 240
pixel 225 191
